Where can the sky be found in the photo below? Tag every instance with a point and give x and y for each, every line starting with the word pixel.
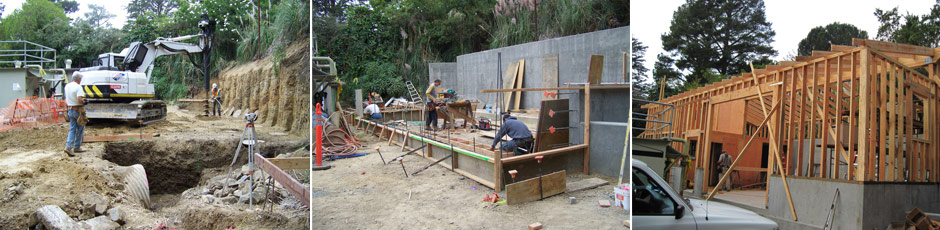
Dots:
pixel 115 7
pixel 791 20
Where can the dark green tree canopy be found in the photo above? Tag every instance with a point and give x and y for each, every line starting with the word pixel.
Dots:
pixel 69 6
pixel 157 8
pixel 639 71
pixel 921 30
pixel 37 21
pixel 820 38
pixel 723 36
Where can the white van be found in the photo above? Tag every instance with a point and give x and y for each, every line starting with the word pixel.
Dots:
pixel 657 206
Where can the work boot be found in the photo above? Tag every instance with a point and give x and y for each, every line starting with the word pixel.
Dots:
pixel 70 152
pixel 78 150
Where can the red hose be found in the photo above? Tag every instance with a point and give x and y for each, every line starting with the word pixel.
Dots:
pixel 348 147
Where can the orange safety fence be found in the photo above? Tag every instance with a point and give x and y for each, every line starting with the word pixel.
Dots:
pixel 32 112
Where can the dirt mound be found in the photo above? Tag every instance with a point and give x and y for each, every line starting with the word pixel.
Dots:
pixel 53 181
pixel 224 218
pixel 52 137
pixel 279 94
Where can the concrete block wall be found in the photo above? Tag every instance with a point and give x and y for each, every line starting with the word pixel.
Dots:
pixel 478 71
pixel 859 205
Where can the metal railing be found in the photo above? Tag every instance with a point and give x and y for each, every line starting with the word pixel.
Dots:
pixel 661 127
pixel 22 53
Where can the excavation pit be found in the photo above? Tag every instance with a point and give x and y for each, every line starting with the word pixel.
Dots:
pixel 173 166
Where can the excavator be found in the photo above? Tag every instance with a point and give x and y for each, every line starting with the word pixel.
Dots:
pixel 118 86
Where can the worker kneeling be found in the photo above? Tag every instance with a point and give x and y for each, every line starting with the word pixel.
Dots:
pixel 521 142
pixel 373 111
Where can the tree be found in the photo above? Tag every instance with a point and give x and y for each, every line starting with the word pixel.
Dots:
pixel 92 35
pixel 158 8
pixel 98 16
pixel 664 68
pixel 921 30
pixel 638 65
pixel 820 38
pixel 69 6
pixel 719 35
pixel 37 21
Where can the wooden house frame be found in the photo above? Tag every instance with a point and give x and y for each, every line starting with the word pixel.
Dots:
pixel 862 113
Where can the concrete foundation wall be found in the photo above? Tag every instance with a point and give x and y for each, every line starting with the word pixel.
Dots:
pixel 477 71
pixel 859 206
pixel 607 141
pixel 812 199
pixel 890 202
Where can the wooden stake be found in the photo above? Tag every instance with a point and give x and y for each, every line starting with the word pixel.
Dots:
pixel 587 129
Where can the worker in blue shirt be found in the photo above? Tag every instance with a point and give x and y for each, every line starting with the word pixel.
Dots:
pixel 520 134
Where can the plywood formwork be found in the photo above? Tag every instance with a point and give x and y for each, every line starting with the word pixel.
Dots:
pixel 859 113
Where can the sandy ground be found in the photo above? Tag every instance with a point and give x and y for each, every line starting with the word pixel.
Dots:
pixel 362 193
pixel 34 171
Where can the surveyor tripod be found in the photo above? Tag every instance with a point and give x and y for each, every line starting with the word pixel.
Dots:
pixel 252 145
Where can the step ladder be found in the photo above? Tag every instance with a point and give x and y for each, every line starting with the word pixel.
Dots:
pixel 415 96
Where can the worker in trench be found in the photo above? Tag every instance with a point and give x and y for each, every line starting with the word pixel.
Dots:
pixel 522 140
pixel 372 110
pixel 75 99
pixel 432 105
pixel 216 100
pixel 724 164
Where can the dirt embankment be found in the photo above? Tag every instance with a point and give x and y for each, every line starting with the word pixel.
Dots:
pixel 279 94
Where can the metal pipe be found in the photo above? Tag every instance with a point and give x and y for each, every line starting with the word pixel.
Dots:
pixel 331 65
pixel 608 123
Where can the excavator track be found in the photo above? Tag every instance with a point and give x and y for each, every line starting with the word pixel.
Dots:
pixel 151 111
pixel 148 111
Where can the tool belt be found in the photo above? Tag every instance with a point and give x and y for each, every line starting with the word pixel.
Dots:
pixel 82 117
pixel 431 106
pixel 525 143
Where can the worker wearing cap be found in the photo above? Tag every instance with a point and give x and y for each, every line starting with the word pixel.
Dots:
pixel 724 163
pixel 373 111
pixel 216 100
pixel 520 134
pixel 75 99
pixel 432 105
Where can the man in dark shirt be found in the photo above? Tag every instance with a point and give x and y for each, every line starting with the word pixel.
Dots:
pixel 520 134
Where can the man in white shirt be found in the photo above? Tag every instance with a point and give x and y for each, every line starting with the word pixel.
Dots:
pixel 373 111
pixel 75 98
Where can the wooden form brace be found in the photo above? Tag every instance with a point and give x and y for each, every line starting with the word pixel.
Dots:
pixel 852 114
pixel 294 187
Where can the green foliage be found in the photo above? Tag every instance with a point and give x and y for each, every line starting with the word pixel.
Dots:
pixel 516 20
pixel 155 8
pixel 820 38
pixel 367 46
pixel 69 6
pixel 92 35
pixel 638 74
pixel 921 30
pixel 723 36
pixel 664 68
pixel 38 21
